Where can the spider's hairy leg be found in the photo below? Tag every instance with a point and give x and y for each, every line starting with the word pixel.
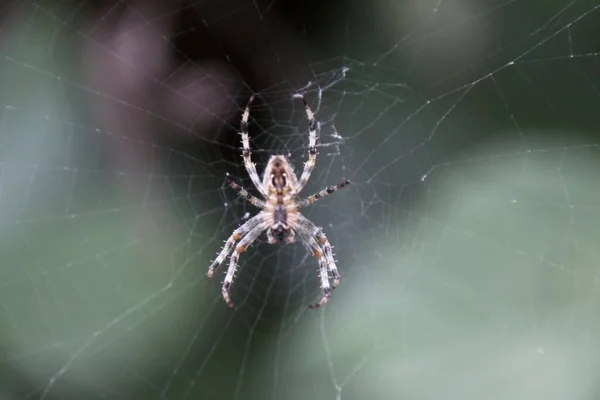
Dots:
pixel 323 193
pixel 323 272
pixel 309 165
pixel 241 247
pixel 311 230
pixel 329 257
pixel 244 193
pixel 250 166
pixel 235 236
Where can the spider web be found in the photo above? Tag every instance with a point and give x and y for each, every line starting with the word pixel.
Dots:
pixel 467 241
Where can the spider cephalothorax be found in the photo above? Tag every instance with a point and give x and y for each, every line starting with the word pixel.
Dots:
pixel 279 216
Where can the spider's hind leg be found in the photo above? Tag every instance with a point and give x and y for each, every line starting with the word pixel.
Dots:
pixel 246 241
pixel 235 236
pixel 315 239
pixel 323 273
pixel 327 249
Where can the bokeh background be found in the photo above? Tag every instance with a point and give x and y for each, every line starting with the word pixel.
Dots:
pixel 467 241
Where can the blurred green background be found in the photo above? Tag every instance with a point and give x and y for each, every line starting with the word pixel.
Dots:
pixel 467 241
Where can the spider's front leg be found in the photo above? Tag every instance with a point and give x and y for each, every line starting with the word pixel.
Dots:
pixel 246 152
pixel 235 236
pixel 312 147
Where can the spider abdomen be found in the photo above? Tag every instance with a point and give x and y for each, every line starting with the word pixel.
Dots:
pixel 280 228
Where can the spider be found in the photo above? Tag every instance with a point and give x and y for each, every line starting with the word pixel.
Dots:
pixel 279 215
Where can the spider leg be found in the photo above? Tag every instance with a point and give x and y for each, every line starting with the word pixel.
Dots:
pixel 235 236
pixel 323 271
pixel 323 193
pixel 315 232
pixel 250 166
pixel 309 165
pixel 329 258
pixel 244 193
pixel 241 247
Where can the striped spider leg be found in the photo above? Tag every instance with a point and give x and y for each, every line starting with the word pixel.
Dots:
pixel 323 252
pixel 323 193
pixel 309 165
